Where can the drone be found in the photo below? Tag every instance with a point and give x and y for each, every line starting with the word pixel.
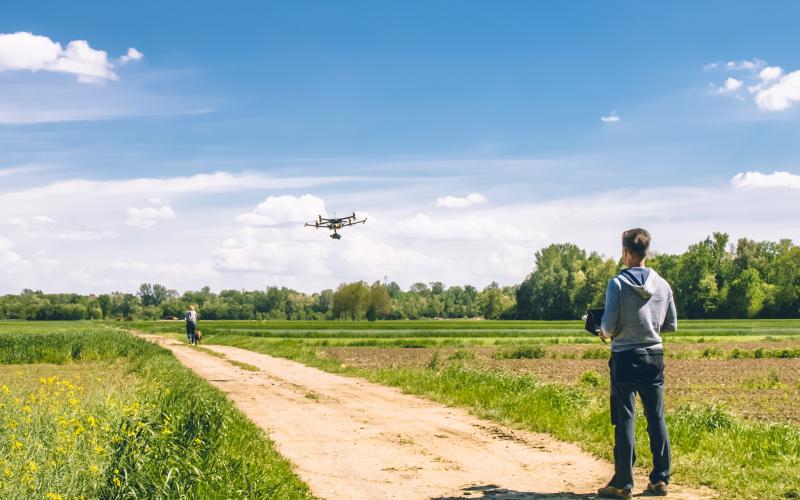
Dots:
pixel 335 224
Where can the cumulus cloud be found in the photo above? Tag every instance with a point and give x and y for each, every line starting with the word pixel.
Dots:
pixel 781 95
pixel 461 202
pixel 277 210
pixel 730 85
pixel 770 73
pixel 772 89
pixel 23 51
pixel 756 180
pixel 612 118
pixel 149 216
pixel 131 55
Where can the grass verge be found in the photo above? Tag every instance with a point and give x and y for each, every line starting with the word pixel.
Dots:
pixel 169 434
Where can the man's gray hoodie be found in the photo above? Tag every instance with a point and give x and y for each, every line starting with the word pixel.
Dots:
pixel 637 313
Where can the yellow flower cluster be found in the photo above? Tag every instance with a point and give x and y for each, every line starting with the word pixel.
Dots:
pixel 53 431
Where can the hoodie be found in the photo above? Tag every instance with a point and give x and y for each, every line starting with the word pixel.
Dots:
pixel 639 306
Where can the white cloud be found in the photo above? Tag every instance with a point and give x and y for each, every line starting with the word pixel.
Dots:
pixel 467 227
pixel 710 66
pixel 23 51
pixel 461 202
pixel 755 180
pixel 147 217
pixel 69 235
pixel 11 171
pixel 772 89
pixel 153 187
pixel 9 259
pixel 405 240
pixel 770 73
pixel 41 219
pixel 277 210
pixel 612 118
pixel 23 223
pixel 751 64
pixel 780 95
pixel 730 85
pixel 132 55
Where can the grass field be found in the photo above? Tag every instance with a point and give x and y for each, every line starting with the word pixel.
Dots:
pixel 87 411
pixel 733 386
pixel 157 430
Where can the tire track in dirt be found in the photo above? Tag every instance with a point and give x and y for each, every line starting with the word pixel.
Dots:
pixel 349 438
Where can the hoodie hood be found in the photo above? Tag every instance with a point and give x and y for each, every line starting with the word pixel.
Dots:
pixel 644 291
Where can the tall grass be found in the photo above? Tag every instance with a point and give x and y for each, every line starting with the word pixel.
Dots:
pixel 175 436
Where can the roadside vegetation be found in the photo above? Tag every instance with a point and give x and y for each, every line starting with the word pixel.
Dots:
pixel 738 455
pixel 97 413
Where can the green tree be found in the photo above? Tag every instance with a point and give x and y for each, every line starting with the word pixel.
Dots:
pixel 379 302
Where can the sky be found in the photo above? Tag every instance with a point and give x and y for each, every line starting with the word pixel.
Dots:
pixel 186 143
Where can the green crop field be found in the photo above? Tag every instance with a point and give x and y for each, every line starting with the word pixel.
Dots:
pixel 732 386
pixel 88 411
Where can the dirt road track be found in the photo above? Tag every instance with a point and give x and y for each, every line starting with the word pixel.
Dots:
pixel 352 439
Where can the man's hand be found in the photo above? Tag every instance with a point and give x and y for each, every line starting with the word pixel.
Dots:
pixel 603 335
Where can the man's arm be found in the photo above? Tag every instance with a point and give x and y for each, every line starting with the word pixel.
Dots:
pixel 671 319
pixel 610 321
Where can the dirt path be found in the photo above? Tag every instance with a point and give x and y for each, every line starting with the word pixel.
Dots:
pixel 349 438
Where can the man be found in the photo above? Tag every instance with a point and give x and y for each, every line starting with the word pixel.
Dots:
pixel 191 325
pixel 639 306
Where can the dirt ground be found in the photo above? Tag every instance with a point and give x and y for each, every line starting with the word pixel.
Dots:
pixel 349 438
pixel 758 389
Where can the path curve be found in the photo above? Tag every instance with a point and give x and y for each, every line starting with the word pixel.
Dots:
pixel 353 439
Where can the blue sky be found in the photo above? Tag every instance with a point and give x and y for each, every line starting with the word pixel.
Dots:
pixel 386 108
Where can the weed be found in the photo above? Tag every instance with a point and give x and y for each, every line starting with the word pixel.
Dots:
pixel 596 353
pixel 533 351
pixel 593 379
pixel 461 355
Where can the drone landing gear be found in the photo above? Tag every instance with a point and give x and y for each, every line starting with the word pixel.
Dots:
pixel 336 236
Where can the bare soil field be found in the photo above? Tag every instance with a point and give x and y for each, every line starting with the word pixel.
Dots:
pixel 759 389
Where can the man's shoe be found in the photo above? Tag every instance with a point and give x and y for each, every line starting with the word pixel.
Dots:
pixel 612 492
pixel 658 489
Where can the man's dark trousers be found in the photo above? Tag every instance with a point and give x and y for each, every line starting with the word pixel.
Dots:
pixel 190 331
pixel 638 370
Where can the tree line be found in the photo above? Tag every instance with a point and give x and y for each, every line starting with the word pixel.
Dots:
pixel 712 279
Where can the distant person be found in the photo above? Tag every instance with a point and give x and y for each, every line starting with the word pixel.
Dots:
pixel 639 306
pixel 191 325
